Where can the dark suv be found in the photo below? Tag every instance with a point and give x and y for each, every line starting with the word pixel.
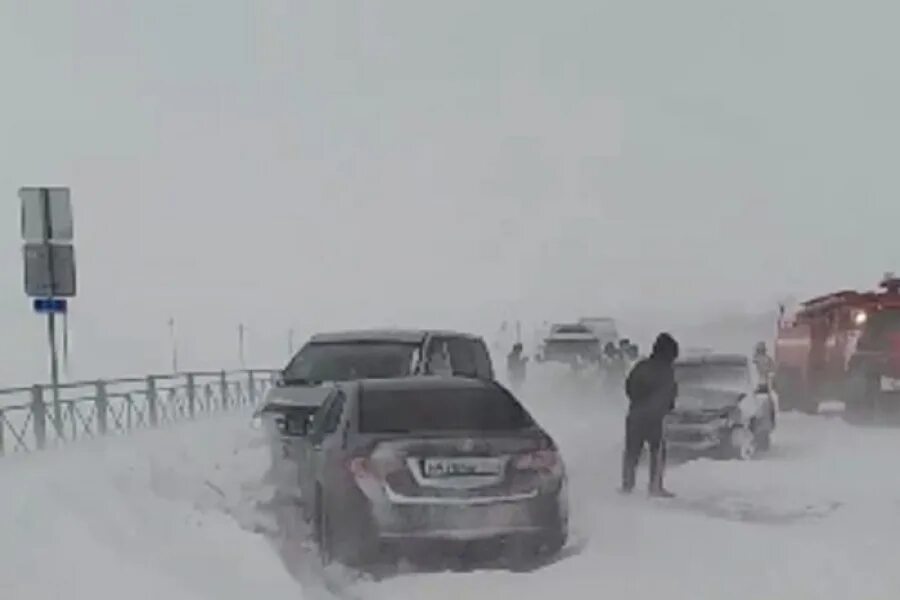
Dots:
pixel 329 358
pixel 386 354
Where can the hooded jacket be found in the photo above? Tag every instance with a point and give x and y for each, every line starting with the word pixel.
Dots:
pixel 651 386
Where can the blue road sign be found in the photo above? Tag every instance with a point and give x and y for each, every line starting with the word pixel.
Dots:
pixel 50 305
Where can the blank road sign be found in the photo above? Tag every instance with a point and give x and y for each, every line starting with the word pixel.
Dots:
pixel 40 261
pixel 34 202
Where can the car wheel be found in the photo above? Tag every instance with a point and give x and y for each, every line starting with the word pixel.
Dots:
pixel 322 530
pixel 742 443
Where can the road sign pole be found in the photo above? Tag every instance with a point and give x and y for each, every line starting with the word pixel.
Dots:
pixel 54 373
pixel 51 318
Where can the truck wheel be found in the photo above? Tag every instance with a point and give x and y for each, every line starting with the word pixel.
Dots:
pixel 764 441
pixel 860 396
pixel 786 386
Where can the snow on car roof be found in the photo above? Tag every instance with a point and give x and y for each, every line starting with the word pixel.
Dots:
pixel 404 336
pixel 424 382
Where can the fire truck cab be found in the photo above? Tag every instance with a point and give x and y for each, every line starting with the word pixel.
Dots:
pixel 845 346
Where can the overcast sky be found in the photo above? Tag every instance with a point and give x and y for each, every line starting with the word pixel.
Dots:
pixel 345 163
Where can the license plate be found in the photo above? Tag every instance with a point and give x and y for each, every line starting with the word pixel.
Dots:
pixel 890 384
pixel 460 467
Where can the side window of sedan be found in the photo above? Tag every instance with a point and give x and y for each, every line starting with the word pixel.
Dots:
pixel 463 357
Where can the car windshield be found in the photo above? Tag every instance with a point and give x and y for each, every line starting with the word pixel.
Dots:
pixel 443 409
pixel 705 398
pixel 712 375
pixel 344 361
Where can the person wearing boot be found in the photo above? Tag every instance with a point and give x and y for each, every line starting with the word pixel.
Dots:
pixel 651 391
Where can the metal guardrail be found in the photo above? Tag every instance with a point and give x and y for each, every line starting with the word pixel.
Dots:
pixel 30 421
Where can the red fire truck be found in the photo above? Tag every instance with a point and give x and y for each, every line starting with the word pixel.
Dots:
pixel 843 346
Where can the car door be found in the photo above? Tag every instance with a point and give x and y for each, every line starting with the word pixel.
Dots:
pixel 309 448
pixel 326 446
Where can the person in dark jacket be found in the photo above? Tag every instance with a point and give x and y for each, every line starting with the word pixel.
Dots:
pixel 651 391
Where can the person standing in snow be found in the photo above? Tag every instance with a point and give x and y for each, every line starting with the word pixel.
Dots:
pixel 765 366
pixel 651 391
pixel 516 366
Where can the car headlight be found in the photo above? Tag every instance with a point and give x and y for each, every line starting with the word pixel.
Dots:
pixel 733 415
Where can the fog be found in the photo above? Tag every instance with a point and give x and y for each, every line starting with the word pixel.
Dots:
pixel 337 164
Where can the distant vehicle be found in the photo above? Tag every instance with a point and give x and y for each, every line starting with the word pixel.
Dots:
pixel 604 328
pixel 720 409
pixel 394 466
pixel 843 346
pixel 573 344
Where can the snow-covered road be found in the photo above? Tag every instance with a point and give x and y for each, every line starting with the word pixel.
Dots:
pixel 177 514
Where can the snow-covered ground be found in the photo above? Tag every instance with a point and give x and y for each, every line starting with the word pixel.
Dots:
pixel 164 514
pixel 180 513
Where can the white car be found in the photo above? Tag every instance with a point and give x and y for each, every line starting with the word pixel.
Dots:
pixel 720 409
pixel 572 344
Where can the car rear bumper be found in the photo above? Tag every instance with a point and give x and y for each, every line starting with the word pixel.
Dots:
pixel 464 520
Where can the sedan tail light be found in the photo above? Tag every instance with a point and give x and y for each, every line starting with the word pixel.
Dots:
pixel 540 460
pixel 368 467
pixel 361 467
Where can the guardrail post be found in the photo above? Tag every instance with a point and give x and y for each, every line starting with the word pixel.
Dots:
pixel 102 407
pixel 251 388
pixel 191 394
pixel 151 401
pixel 223 382
pixel 39 416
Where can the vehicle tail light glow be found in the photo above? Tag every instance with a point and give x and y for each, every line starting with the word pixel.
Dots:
pixel 365 467
pixel 540 460
pixel 361 467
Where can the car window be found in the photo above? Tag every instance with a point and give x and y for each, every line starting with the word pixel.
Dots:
pixel 463 359
pixel 441 409
pixel 483 366
pixel 332 417
pixel 724 375
pixel 438 357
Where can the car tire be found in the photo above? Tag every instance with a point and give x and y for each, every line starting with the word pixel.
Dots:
pixel 741 444
pixel 322 531
pixel 349 541
pixel 764 441
pixel 530 552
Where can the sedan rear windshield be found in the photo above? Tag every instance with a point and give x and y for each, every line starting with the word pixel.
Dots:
pixel 347 361
pixel 425 410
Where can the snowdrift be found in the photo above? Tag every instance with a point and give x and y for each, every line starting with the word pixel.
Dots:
pixel 159 514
